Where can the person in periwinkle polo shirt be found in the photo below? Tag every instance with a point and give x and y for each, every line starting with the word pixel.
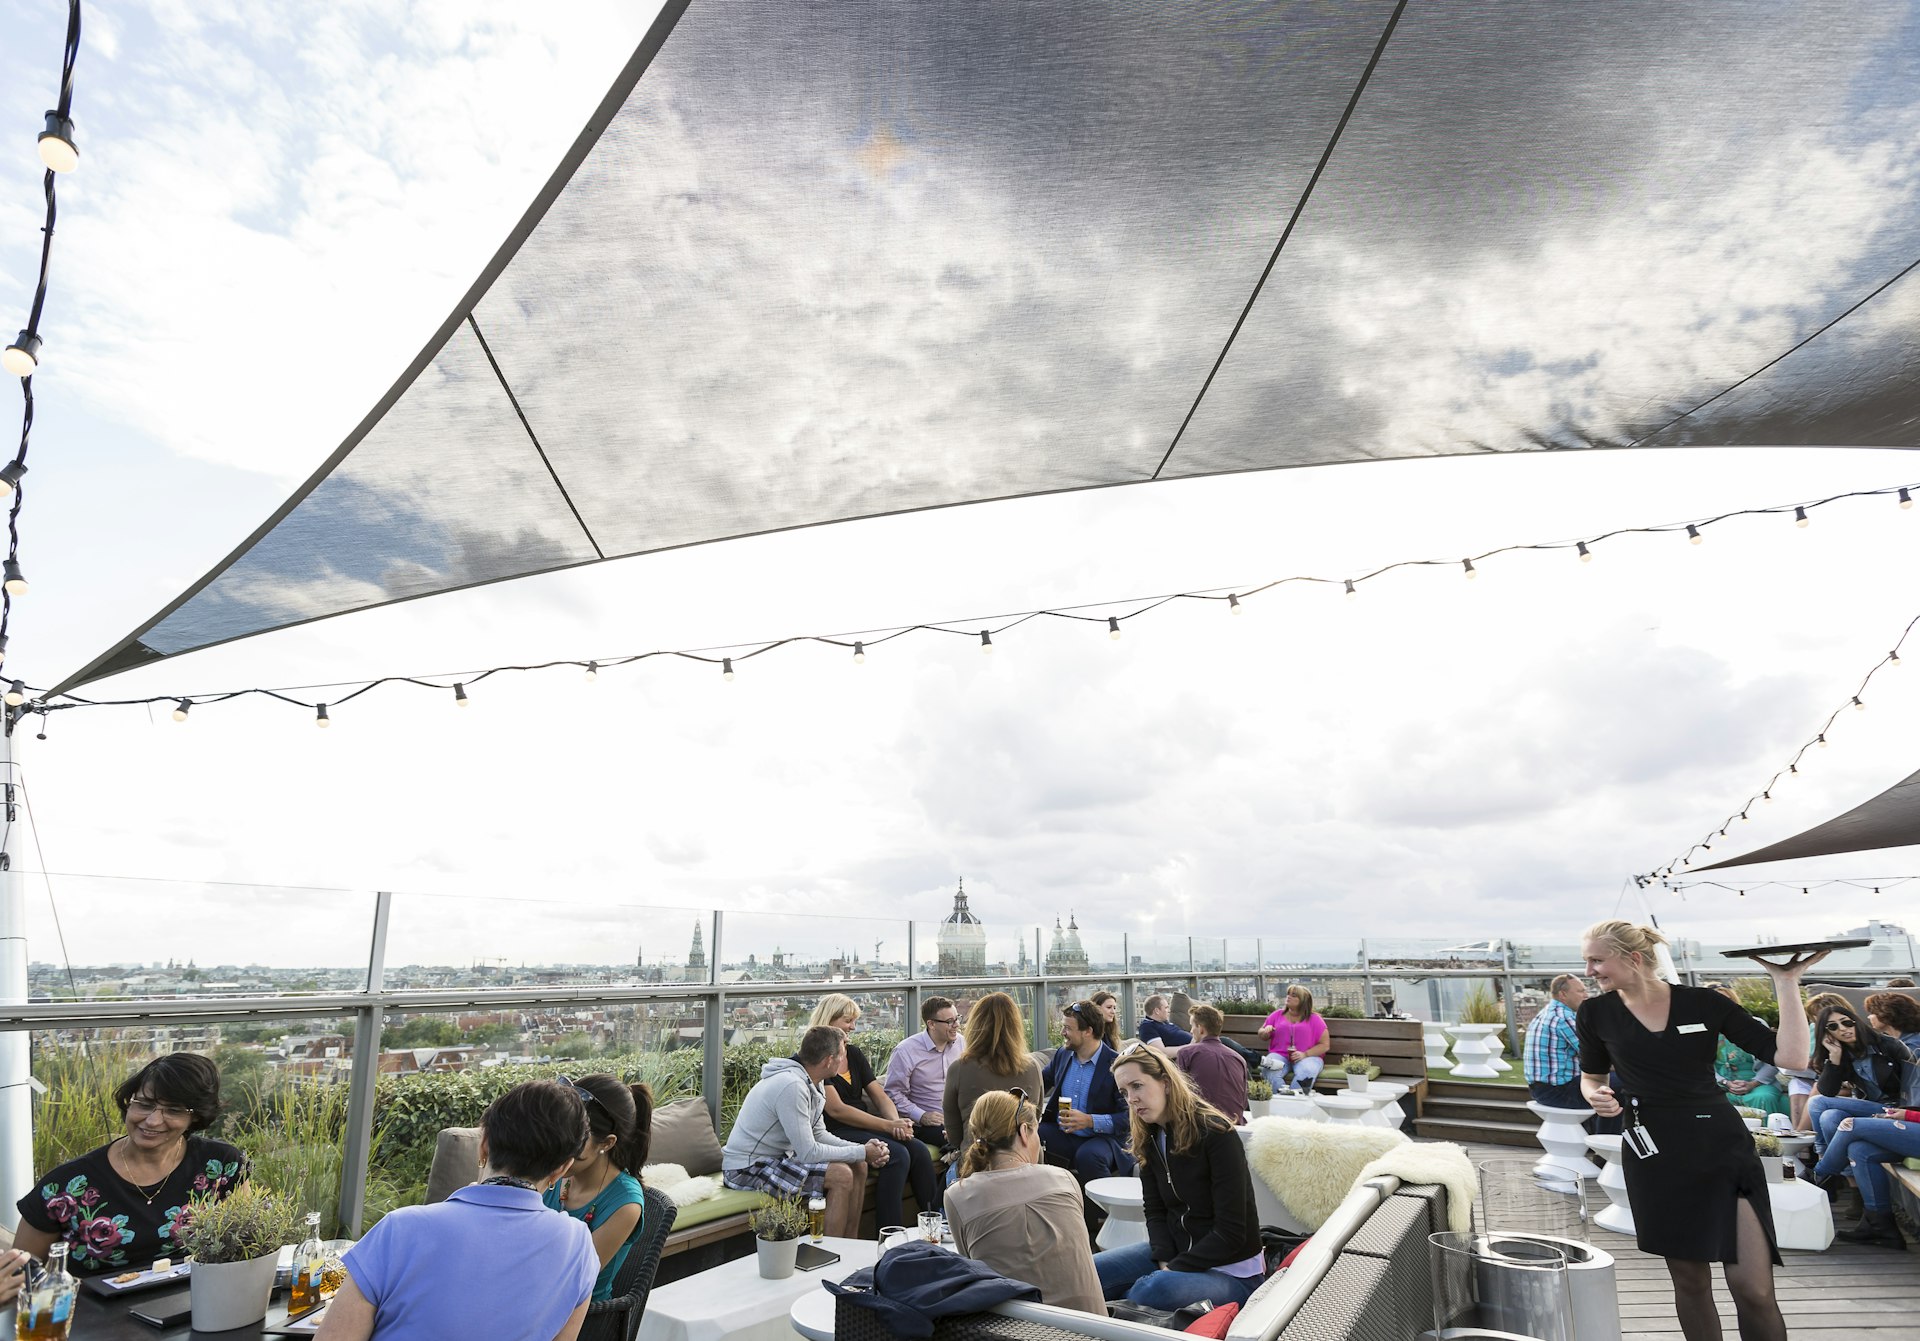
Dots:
pixel 491 1260
pixel 917 1072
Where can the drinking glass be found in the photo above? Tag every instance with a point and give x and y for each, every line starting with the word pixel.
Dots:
pixel 930 1225
pixel 890 1232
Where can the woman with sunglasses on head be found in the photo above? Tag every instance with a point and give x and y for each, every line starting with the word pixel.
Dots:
pixel 1203 1230
pixel 116 1205
pixel 602 1190
pixel 1018 1214
pixel 1698 1192
pixel 1870 1063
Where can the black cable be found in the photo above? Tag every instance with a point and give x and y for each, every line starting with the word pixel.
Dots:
pixel 33 827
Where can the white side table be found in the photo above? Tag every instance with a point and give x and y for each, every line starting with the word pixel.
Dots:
pixel 1497 1048
pixel 1434 1036
pixel 1618 1216
pixel 1565 1142
pixel 732 1302
pixel 1345 1109
pixel 1126 1216
pixel 1295 1106
pixel 1384 1096
pixel 1473 1051
pixel 1802 1216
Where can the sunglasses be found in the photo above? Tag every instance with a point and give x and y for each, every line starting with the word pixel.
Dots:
pixel 586 1095
pixel 1088 1014
pixel 1835 1026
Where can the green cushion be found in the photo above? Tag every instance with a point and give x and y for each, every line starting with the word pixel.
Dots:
pixel 1913 1164
pixel 727 1202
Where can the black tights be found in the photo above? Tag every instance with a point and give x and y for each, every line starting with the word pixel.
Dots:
pixel 1750 1280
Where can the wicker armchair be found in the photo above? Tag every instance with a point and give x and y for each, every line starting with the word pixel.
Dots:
pixel 618 1318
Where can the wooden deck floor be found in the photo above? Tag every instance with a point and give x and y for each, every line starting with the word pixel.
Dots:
pixel 1869 1293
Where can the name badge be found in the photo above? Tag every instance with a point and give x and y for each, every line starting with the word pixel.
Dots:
pixel 1693 1029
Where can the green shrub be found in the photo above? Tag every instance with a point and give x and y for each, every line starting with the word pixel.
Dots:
pixel 1482 1007
pixel 1259 1091
pixel 1245 1007
pixel 1341 1013
pixel 1756 996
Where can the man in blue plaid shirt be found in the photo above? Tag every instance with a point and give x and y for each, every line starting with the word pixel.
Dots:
pixel 1553 1050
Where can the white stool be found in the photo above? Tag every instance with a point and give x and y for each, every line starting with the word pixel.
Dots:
pixel 1473 1051
pixel 1497 1047
pixel 1798 1148
pixel 1802 1216
pixel 1565 1142
pixel 1294 1106
pixel 1345 1109
pixel 1126 1217
pixel 1618 1216
pixel 1390 1113
pixel 1435 1038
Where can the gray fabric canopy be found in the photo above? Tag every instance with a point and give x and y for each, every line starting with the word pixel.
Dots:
pixel 1891 819
pixel 837 260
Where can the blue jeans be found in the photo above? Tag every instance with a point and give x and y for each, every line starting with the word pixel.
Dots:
pixel 1871 1143
pixel 1824 1114
pixel 1304 1072
pixel 1129 1273
pixel 1090 1156
pixel 1566 1094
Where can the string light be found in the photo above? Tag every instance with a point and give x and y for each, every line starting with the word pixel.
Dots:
pixel 320 718
pixel 593 671
pixel 1906 499
pixel 1858 706
pixel 22 357
pixel 16 581
pixel 181 709
pixel 1586 555
pixel 57 148
pixel 1233 605
pixel 726 669
pixel 10 475
pixel 1113 628
pixel 1693 534
pixel 460 699
pixel 1468 565
pixel 1800 517
pixel 859 654
pixel 16 694
pixel 986 642
pixel 1821 740
pixel 1351 593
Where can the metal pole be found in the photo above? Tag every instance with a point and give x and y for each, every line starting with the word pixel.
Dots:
pixel 1513 1032
pixel 16 1099
pixel 1366 979
pixel 355 1154
pixel 713 1034
pixel 1259 968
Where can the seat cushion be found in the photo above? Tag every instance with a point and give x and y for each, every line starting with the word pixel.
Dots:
pixel 683 1135
pixel 719 1206
pixel 456 1162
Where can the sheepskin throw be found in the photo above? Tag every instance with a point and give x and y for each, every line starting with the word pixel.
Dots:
pixel 1311 1166
pixel 1439 1162
pixel 671 1181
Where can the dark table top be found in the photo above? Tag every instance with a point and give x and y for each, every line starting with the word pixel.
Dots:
pixel 97 1319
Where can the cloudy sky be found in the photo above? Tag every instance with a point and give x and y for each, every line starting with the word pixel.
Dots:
pixel 276 208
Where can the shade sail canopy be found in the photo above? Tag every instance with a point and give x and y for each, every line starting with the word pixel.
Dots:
pixel 1891 819
pixel 825 261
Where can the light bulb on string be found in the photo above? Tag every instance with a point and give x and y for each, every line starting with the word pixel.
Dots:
pixel 1767 797
pixel 15 581
pixel 181 709
pixel 57 149
pixel 460 699
pixel 1351 592
pixel 859 654
pixel 1113 628
pixel 726 669
pixel 1800 517
pixel 1233 604
pixel 10 475
pixel 320 718
pixel 1821 740
pixel 22 357
pixel 1586 555
pixel 1893 657
pixel 1467 564
pixel 1906 499
pixel 986 642
pixel 16 693
pixel 1693 534
pixel 593 671
pixel 1858 706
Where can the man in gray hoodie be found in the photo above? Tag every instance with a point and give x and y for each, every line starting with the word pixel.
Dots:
pixel 780 1143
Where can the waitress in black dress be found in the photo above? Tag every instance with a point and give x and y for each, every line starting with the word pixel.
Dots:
pixel 1697 1190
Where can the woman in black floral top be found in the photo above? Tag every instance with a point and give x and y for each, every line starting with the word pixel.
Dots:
pixel 116 1206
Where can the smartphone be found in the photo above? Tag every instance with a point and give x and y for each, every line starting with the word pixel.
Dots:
pixel 169 1310
pixel 810 1258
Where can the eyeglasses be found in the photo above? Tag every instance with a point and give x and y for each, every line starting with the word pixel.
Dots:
pixel 140 1108
pixel 951 1019
pixel 586 1095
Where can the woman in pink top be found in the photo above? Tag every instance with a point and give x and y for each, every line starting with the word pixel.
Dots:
pixel 1296 1040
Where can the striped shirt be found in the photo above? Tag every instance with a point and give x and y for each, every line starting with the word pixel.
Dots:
pixel 1553 1049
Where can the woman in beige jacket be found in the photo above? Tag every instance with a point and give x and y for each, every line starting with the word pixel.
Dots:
pixel 1021 1217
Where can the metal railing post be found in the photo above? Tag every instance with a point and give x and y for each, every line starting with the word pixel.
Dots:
pixel 357 1150
pixel 713 1036
pixel 910 1009
pixel 1259 968
pixel 1513 1031
pixel 1366 979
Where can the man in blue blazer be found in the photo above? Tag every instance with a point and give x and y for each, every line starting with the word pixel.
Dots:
pixel 1090 1139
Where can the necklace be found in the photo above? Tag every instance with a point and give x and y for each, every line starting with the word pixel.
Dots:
pixel 504 1180
pixel 146 1196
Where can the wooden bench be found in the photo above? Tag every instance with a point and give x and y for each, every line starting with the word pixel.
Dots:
pixel 1394 1045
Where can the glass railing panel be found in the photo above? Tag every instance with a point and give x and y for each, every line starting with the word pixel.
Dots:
pixel 287 1118
pixel 1157 954
pixel 458 942
pixel 102 937
pixel 1062 993
pixel 1242 955
pixel 975 950
pixel 1297 954
pixel 760 947
pixel 1209 954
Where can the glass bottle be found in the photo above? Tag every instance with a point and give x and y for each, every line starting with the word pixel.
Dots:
pixel 817 1216
pixel 44 1311
pixel 309 1265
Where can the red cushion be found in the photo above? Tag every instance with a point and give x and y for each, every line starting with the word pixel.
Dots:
pixel 1214 1323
